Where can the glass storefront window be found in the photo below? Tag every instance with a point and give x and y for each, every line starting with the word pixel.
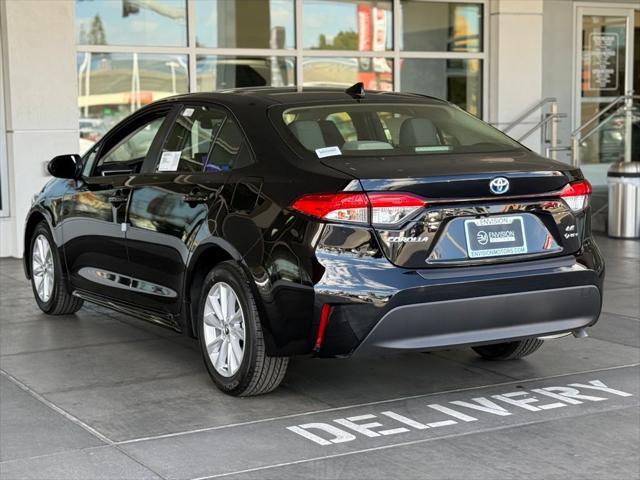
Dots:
pixel 131 22
pixel 113 85
pixel 216 72
pixel 245 23
pixel 456 80
pixel 364 26
pixel 229 44
pixel 375 73
pixel 441 27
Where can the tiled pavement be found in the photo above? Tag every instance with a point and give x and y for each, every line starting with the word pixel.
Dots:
pixel 101 395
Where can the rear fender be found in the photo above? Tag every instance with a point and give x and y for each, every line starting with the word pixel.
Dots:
pixel 207 255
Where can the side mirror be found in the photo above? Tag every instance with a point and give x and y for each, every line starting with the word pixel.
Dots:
pixel 65 166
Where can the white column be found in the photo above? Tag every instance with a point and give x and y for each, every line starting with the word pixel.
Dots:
pixel 515 62
pixel 40 101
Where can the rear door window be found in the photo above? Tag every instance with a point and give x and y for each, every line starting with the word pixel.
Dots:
pixel 203 139
pixel 230 150
pixel 189 142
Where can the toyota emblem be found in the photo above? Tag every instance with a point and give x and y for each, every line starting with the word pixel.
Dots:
pixel 499 185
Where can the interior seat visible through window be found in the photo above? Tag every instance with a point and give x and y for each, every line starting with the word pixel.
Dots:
pixel 331 133
pixel 308 133
pixel 418 132
pixel 204 139
pixel 188 145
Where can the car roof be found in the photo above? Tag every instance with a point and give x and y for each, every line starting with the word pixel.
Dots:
pixel 299 95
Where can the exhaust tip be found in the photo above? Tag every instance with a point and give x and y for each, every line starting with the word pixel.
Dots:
pixel 580 333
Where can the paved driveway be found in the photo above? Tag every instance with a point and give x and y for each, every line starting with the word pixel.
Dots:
pixel 100 395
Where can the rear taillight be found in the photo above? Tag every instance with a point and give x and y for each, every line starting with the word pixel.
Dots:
pixel 576 194
pixel 343 207
pixel 381 209
pixel 393 208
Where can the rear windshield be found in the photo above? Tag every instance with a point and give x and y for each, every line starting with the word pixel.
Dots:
pixel 396 129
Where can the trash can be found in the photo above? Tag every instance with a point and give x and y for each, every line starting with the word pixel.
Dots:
pixel 624 200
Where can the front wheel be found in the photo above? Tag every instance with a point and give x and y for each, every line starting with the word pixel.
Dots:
pixel 509 350
pixel 46 276
pixel 230 335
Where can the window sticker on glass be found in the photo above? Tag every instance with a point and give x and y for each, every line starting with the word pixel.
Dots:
pixel 187 112
pixel 328 152
pixel 169 161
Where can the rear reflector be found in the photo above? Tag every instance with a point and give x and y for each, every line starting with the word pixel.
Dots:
pixel 382 209
pixel 576 194
pixel 324 318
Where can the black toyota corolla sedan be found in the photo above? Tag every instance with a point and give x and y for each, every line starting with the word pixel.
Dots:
pixel 269 223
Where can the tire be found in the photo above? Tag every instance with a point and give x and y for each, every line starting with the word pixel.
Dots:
pixel 509 350
pixel 255 373
pixel 49 288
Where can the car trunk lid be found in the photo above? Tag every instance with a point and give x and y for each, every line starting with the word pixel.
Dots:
pixel 465 220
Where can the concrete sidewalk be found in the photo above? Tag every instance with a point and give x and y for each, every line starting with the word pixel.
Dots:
pixel 100 395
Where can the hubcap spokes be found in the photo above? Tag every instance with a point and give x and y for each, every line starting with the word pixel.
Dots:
pixel 42 268
pixel 224 329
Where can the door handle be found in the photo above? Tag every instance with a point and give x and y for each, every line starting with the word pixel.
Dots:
pixel 196 196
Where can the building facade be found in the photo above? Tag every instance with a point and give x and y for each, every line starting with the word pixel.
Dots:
pixel 72 69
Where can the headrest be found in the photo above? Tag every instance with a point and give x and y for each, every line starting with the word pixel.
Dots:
pixel 332 135
pixel 416 132
pixel 309 133
pixel 209 122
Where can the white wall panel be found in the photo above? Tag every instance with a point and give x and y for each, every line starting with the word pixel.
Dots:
pixel 515 56
pixel 40 99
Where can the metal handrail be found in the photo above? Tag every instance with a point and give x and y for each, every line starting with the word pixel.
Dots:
pixel 601 124
pixel 553 118
pixel 542 123
pixel 529 112
pixel 576 135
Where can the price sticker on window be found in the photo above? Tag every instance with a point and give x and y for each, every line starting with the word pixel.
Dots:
pixel 169 161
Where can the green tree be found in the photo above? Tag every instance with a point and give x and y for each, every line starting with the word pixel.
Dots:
pixel 96 35
pixel 342 41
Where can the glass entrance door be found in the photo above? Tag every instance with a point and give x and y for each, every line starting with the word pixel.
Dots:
pixel 605 72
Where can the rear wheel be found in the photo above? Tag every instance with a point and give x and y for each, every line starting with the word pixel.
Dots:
pixel 46 276
pixel 509 350
pixel 230 335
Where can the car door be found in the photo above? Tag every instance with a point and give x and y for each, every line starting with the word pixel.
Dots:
pixel 178 192
pixel 94 223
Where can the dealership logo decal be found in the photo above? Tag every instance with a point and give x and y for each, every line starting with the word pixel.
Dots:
pixel 369 425
pixel 482 237
pixel 499 185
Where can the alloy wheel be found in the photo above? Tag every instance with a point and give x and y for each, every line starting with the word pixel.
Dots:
pixel 224 329
pixel 42 268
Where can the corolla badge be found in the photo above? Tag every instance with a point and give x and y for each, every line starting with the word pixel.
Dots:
pixel 499 185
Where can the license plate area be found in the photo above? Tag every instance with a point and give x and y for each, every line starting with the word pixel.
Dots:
pixel 495 236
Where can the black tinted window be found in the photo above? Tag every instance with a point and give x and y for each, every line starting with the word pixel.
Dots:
pixel 189 143
pixel 229 150
pixel 128 148
pixel 392 129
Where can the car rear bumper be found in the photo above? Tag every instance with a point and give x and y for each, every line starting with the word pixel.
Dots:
pixel 378 310
pixel 487 319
